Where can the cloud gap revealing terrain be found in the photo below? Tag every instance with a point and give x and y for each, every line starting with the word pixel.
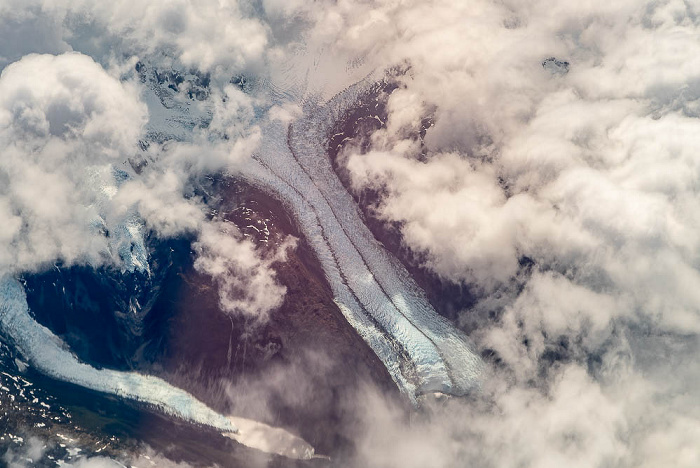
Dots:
pixel 347 233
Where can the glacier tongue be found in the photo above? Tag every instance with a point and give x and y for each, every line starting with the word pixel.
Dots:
pixel 48 355
pixel 423 352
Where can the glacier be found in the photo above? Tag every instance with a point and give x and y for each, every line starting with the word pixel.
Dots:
pixel 423 352
pixel 48 355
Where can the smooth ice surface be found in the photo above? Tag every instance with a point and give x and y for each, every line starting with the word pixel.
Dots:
pixel 48 354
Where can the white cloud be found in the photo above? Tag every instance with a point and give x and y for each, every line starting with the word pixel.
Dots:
pixel 591 174
pixel 454 213
pixel 246 280
pixel 212 36
pixel 600 174
pixel 64 125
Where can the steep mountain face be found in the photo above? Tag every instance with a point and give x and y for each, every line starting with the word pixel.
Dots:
pixel 105 315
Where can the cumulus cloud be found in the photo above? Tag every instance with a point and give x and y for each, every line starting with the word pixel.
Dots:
pixel 582 173
pixel 70 126
pixel 68 129
pixel 208 36
pixel 463 226
pixel 246 280
pixel 575 424
pixel 588 178
pixel 569 418
pixel 65 127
